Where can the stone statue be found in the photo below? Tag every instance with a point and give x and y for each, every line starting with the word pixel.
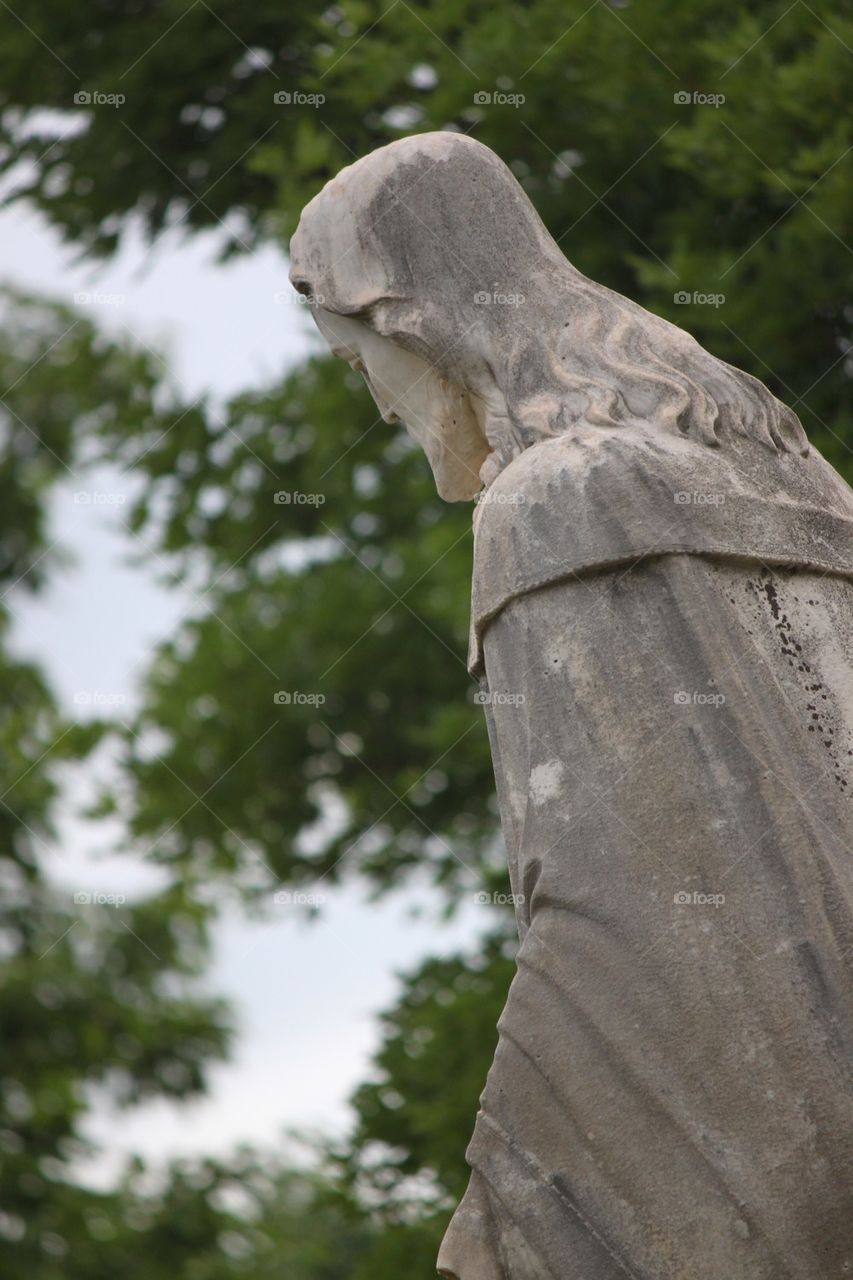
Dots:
pixel 662 625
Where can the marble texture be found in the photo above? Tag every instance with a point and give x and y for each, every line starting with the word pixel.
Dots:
pixel 662 629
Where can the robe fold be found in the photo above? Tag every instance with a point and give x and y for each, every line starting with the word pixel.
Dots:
pixel 663 632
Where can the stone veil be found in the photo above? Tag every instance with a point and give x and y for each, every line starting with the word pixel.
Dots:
pixel 662 627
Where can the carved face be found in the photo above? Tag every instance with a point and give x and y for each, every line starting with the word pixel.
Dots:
pixel 442 418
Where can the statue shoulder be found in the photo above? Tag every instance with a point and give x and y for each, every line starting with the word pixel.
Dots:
pixel 599 498
pixel 555 469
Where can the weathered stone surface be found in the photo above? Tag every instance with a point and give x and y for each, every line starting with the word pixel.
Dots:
pixel 662 625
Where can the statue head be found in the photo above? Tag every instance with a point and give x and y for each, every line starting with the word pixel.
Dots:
pixel 428 270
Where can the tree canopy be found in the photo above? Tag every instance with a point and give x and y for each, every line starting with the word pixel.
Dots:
pixel 312 718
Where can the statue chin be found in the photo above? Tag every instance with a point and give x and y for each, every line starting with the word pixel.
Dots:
pixel 454 483
pixel 450 434
pixel 455 450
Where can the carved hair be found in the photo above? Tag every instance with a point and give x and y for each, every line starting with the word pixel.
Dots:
pixel 411 240
pixel 635 366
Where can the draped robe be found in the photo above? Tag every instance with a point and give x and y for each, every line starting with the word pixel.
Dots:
pixel 663 632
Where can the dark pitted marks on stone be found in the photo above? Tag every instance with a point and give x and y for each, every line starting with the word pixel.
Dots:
pixel 791 648
pixel 818 715
pixel 772 596
pixel 827 732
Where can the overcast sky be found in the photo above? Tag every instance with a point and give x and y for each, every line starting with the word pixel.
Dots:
pixel 306 995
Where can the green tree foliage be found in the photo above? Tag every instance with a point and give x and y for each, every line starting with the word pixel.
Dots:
pixel 646 193
pixel 731 217
pixel 429 1073
pixel 91 998
pixel 363 599
pixel 243 1219
pixel 322 677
